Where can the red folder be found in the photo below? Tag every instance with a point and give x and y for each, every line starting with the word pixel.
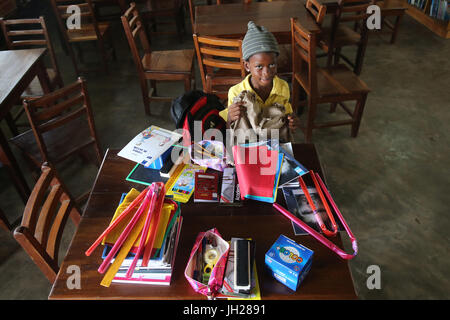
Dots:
pixel 256 168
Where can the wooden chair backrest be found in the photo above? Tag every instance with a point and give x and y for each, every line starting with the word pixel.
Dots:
pixel 192 13
pixel 353 10
pixel 134 30
pixel 304 57
pixel 221 53
pixel 58 108
pixel 63 12
pixel 26 33
pixel 317 9
pixel 44 219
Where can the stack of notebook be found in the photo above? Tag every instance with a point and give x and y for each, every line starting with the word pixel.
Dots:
pixel 160 266
pixel 140 244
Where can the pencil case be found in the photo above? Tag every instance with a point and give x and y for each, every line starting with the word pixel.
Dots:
pixel 208 153
pixel 206 265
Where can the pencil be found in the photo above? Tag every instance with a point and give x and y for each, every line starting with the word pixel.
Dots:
pixel 205 150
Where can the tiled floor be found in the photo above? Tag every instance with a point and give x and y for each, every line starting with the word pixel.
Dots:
pixel 390 182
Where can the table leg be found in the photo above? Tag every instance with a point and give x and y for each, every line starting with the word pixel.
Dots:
pixel 9 161
pixel 43 76
pixel 395 31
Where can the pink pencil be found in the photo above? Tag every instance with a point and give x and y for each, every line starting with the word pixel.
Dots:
pixel 117 221
pixel 125 234
pixel 144 234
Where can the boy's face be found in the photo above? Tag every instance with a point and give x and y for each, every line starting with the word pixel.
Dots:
pixel 263 68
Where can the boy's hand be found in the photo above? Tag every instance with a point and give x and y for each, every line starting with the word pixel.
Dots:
pixel 235 111
pixel 294 122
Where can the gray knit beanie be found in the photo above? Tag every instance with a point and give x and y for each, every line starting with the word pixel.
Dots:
pixel 258 39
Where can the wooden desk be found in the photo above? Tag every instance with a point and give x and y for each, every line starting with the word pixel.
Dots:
pixel 17 69
pixel 329 277
pixel 230 20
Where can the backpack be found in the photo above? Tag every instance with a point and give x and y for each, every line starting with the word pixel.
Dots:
pixel 197 106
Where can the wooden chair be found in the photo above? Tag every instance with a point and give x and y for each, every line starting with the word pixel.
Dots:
pixel 173 65
pixel 110 15
pixel 191 4
pixel 334 84
pixel 220 62
pixel 44 219
pixel 339 35
pixel 90 30
pixel 62 125
pixel 153 10
pixel 317 9
pixel 24 34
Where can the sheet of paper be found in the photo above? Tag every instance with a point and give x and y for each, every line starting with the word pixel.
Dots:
pixel 149 145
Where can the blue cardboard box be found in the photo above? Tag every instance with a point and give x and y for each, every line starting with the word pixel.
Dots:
pixel 288 261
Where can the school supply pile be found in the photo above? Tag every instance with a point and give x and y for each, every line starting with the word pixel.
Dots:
pixel 141 241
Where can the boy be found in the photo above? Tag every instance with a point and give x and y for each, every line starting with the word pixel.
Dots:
pixel 260 51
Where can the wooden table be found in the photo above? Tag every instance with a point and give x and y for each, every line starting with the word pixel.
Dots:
pixel 329 277
pixel 17 69
pixel 230 20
